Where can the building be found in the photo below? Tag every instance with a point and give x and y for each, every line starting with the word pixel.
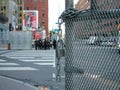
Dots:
pixel 107 18
pixel 83 4
pixel 42 7
pixel 8 17
pixel 20 5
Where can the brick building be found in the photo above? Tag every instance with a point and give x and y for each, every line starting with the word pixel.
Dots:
pixel 42 7
pixel 83 4
pixel 106 23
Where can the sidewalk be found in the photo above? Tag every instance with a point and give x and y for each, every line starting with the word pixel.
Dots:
pixel 61 84
pixel 3 47
pixel 12 84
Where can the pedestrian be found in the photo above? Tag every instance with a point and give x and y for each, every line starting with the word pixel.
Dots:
pixel 39 44
pixel 45 44
pixel 36 44
pixel 51 43
pixel 54 43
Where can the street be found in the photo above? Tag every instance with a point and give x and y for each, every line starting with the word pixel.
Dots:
pixel 36 67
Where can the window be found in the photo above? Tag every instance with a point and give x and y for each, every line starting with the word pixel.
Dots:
pixel 20 8
pixel 43 15
pixel 43 22
pixel 20 21
pixel 20 15
pixel 4 8
pixel 1 13
pixel 27 8
pixel 1 8
pixel 43 1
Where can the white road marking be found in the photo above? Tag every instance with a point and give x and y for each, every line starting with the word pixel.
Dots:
pixel 18 57
pixel 1 60
pixel 39 57
pixel 17 68
pixel 9 64
pixel 44 63
pixel 36 60
pixel 54 59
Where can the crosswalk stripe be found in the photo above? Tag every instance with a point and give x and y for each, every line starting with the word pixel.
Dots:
pixel 1 60
pixel 17 68
pixel 19 57
pixel 9 64
pixel 39 57
pixel 44 63
pixel 36 60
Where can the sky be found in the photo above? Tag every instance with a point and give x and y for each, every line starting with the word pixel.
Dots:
pixel 56 7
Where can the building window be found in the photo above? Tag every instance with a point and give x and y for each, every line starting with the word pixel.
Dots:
pixel 27 8
pixel 4 8
pixel 20 28
pixel 43 22
pixel 43 1
pixel 20 15
pixel 20 8
pixel 1 8
pixel 19 1
pixel 43 15
pixel 20 21
pixel 1 13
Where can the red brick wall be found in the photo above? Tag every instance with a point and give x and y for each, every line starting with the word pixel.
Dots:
pixel 83 4
pixel 42 11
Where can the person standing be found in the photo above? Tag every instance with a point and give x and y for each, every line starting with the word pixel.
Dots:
pixel 36 44
pixel 54 43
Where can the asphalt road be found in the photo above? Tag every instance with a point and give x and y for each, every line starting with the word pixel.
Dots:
pixel 36 67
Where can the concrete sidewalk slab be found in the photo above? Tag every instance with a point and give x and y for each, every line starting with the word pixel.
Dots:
pixel 12 84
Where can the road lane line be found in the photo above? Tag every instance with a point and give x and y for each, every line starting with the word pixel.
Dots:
pixel 18 57
pixel 17 68
pixel 37 60
pixel 1 60
pixel 44 63
pixel 9 64
pixel 54 59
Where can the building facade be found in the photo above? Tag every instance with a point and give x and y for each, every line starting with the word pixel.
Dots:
pixel 42 7
pixel 83 4
pixel 20 5
pixel 105 23
pixel 8 17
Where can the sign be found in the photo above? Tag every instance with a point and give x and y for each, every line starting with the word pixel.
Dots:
pixel 30 20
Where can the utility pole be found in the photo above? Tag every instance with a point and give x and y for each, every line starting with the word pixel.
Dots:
pixel 69 61
pixel 68 4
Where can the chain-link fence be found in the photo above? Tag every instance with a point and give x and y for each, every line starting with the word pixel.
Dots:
pixel 92 57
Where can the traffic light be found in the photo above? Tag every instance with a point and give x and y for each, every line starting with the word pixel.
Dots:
pixel 10 27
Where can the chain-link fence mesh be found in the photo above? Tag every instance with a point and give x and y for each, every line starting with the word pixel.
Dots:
pixel 91 43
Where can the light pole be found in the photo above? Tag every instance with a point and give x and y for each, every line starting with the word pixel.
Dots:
pixel 68 4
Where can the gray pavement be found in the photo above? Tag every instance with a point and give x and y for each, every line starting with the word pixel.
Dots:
pixel 35 67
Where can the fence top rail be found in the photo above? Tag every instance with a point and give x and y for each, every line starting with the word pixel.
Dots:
pixel 92 14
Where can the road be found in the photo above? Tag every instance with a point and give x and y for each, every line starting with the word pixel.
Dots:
pixel 36 67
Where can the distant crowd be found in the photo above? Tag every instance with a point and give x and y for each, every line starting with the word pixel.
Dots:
pixel 40 44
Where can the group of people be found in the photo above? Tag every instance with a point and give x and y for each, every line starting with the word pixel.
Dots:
pixel 45 44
